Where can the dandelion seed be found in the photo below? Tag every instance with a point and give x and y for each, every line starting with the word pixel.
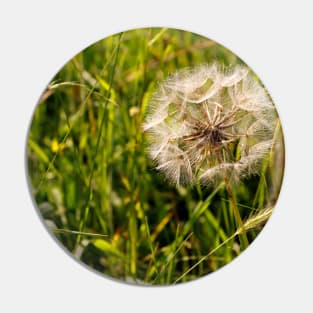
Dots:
pixel 208 122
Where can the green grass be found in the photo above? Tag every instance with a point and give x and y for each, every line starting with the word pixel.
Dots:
pixel 100 193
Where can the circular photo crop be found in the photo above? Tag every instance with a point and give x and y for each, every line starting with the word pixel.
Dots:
pixel 155 156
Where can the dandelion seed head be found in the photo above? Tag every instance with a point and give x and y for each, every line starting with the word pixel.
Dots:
pixel 208 122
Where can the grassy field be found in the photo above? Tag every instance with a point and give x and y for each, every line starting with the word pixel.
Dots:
pixel 98 191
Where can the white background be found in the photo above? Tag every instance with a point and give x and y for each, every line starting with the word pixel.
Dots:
pixel 275 274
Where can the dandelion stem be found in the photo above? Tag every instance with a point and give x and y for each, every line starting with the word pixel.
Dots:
pixel 234 208
pixel 239 224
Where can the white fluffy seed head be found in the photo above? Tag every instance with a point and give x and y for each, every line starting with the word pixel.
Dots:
pixel 209 122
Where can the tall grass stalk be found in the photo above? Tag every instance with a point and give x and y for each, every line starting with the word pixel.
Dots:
pixel 251 223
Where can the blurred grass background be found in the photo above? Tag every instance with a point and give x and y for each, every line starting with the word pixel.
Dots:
pixel 97 190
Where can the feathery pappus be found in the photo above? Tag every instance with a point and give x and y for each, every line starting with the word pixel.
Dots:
pixel 210 122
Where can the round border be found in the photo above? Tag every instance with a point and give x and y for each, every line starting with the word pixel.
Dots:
pixel 273 271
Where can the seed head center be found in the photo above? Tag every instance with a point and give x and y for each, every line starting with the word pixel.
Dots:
pixel 214 136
